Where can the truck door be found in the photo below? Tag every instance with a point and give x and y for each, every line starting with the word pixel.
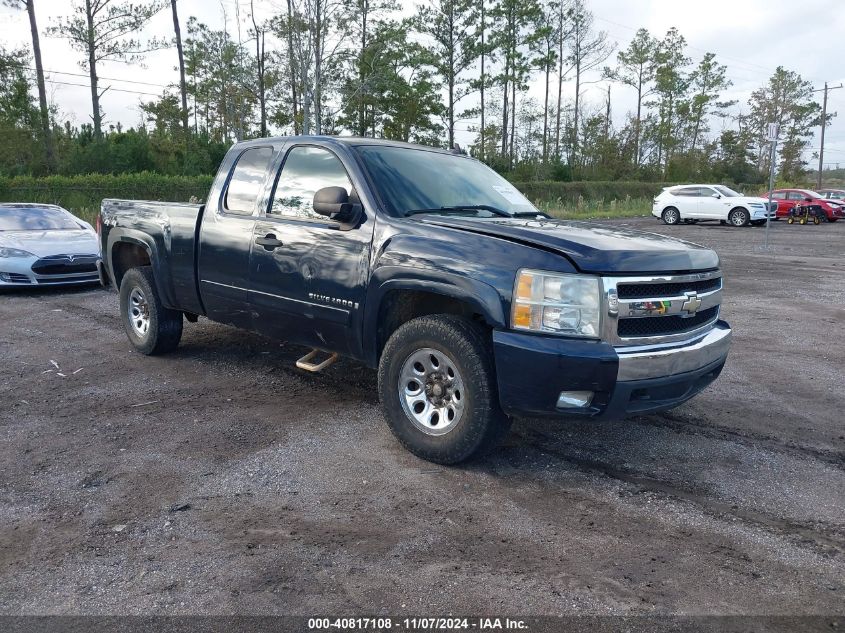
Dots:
pixel 226 236
pixel 308 274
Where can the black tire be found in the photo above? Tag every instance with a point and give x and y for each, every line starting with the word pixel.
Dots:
pixel 738 217
pixel 163 326
pixel 481 424
pixel 671 216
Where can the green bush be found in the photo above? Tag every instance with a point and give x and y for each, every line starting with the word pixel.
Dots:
pixel 83 194
pixel 598 190
pixel 570 192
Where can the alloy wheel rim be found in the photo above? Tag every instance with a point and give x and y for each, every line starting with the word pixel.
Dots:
pixel 738 220
pixel 431 390
pixel 139 312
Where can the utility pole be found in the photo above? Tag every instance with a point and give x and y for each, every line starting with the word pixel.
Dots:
pixel 826 89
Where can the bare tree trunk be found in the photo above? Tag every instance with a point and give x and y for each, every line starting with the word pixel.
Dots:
pixel 505 108
pixel 451 75
pixel 292 71
pixel 365 8
pixel 183 87
pixel 483 80
pixel 639 119
pixel 259 58
pixel 318 69
pixel 92 72
pixel 46 130
pixel 513 123
pixel 559 81
pixel 546 113
pixel 573 150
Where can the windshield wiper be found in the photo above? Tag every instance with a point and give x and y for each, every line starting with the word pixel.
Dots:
pixel 530 214
pixel 462 207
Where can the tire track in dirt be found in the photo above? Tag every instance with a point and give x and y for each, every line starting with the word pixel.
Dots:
pixel 825 539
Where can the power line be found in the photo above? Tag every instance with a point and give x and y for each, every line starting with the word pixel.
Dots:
pixel 135 92
pixel 128 81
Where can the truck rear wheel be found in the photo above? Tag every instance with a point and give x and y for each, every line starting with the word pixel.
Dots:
pixel 152 329
pixel 437 387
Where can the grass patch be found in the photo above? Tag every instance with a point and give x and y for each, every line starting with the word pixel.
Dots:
pixel 581 209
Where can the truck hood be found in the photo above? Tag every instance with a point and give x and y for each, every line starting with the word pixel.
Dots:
pixel 45 243
pixel 594 248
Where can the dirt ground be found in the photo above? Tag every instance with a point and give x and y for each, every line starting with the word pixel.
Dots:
pixel 222 480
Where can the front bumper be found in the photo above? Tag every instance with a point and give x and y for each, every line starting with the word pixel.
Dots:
pixel 18 273
pixel 30 280
pixel 760 214
pixel 533 370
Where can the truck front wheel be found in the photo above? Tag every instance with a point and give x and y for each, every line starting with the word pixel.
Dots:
pixel 437 387
pixel 152 329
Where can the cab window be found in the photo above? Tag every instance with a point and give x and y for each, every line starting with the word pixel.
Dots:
pixel 247 180
pixel 305 171
pixel 779 195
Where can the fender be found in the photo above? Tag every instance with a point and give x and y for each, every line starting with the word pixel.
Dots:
pixel 482 297
pixel 161 273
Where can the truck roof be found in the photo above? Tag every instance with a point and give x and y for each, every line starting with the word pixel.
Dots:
pixel 341 140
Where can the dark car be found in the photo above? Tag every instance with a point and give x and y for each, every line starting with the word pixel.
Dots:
pixel 427 265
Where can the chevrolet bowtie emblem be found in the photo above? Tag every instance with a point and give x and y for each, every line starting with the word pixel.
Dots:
pixel 692 303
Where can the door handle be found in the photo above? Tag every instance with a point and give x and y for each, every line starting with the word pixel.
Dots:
pixel 269 242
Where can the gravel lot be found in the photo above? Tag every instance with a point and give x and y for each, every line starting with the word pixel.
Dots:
pixel 221 479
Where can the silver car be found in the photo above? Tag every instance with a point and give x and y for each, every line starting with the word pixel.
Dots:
pixel 43 245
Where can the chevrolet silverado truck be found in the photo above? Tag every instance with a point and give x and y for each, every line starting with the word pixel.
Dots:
pixel 428 266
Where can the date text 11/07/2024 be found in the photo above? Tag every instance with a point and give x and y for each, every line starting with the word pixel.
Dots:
pixel 417 624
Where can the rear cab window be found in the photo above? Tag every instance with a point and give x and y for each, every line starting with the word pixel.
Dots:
pixel 247 181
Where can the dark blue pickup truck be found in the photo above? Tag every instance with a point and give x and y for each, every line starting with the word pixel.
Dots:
pixel 427 265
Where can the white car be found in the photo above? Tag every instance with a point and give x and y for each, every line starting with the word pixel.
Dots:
pixel 43 245
pixel 695 203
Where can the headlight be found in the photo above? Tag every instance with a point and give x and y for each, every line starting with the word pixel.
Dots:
pixel 14 252
pixel 556 303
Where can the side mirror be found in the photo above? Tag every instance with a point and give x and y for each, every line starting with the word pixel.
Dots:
pixel 333 202
pixel 808 199
pixel 716 195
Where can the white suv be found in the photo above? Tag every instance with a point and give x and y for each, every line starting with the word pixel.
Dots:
pixel 694 203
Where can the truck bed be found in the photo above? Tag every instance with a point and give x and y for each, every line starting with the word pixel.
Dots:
pixel 169 232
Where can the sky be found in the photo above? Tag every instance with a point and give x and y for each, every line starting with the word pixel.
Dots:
pixel 751 37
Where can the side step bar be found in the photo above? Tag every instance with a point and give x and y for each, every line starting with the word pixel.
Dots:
pixel 306 362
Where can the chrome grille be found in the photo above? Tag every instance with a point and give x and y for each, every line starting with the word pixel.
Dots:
pixel 655 326
pixel 660 309
pixel 647 291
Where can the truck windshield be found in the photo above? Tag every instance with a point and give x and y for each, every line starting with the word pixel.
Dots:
pixel 416 180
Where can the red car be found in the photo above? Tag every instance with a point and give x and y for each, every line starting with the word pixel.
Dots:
pixel 788 198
